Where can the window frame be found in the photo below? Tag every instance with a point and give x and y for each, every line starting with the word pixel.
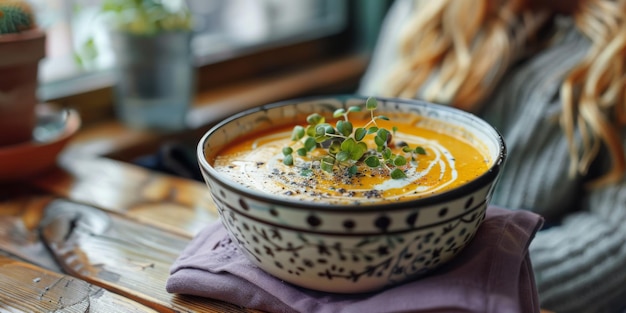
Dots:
pixel 92 95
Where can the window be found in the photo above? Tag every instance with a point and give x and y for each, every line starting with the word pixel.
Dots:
pixel 223 30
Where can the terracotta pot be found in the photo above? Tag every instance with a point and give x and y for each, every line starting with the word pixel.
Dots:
pixel 19 63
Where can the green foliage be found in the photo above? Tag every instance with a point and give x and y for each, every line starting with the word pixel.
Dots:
pixel 345 144
pixel 136 17
pixel 147 17
pixel 15 16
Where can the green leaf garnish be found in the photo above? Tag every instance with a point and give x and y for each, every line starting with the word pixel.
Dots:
pixel 287 150
pixel 344 128
pixel 345 145
pixel 380 142
pixel 343 156
pixel 339 113
pixel 298 133
pixel 315 119
pixel 372 161
pixel 420 150
pixel 397 174
pixel 348 144
pixel 352 170
pixel 357 151
pixel 327 164
pixel 310 144
pixel 371 104
pixel 354 109
pixel 399 161
pixel 288 160
pixel 386 153
pixel 360 133
pixel 335 147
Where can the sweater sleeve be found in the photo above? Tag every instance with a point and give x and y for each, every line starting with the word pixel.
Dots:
pixel 579 264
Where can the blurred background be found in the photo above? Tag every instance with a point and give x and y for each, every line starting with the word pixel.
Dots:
pixel 79 56
pixel 243 53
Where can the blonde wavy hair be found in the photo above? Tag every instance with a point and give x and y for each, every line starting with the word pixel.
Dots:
pixel 593 94
pixel 456 52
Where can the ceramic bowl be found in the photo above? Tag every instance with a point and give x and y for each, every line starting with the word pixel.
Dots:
pixel 53 131
pixel 348 248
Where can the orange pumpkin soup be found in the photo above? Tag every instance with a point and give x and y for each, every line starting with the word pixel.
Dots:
pixel 451 159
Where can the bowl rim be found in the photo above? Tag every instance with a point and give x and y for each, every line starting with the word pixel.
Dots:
pixel 475 184
pixel 71 124
pixel 40 155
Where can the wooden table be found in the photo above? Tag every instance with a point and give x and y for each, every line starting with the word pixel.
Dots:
pixel 98 235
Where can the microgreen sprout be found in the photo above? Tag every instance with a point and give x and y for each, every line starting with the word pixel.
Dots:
pixel 345 145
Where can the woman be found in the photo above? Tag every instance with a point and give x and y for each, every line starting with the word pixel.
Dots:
pixel 551 77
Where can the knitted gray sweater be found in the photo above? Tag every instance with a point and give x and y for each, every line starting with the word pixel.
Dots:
pixel 579 262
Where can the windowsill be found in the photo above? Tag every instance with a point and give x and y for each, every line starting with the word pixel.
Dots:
pixel 62 76
pixel 110 138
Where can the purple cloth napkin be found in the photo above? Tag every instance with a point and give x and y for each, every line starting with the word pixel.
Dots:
pixel 492 274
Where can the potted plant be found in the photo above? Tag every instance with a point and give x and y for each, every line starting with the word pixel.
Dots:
pixel 22 46
pixel 153 61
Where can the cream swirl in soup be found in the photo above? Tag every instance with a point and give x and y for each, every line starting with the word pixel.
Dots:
pixel 450 160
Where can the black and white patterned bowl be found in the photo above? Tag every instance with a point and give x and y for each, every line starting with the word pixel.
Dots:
pixel 348 248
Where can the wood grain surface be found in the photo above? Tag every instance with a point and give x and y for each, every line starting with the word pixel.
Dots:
pixel 27 288
pixel 174 204
pixel 99 235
